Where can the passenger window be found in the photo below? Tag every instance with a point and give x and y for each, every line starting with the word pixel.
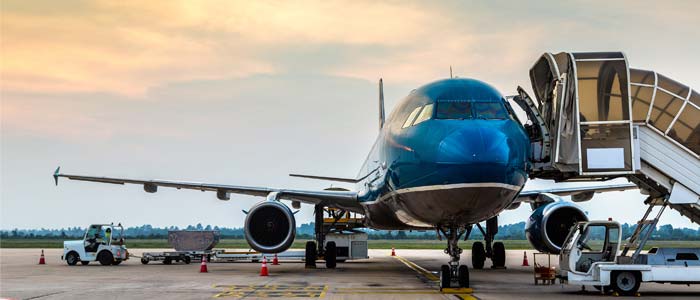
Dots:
pixel 686 256
pixel 425 114
pixel 489 110
pixel 459 110
pixel 411 117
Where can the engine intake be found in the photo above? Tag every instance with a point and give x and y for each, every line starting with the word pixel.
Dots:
pixel 270 227
pixel 549 224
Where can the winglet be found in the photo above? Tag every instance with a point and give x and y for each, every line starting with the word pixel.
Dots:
pixel 55 175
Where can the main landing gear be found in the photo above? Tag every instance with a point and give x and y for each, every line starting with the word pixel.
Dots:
pixel 315 249
pixel 454 274
pixel 496 251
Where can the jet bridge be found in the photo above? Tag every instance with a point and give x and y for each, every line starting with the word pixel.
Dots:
pixel 594 118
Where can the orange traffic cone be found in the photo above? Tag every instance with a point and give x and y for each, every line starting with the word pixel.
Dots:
pixel 263 269
pixel 393 251
pixel 203 266
pixel 525 262
pixel 42 260
pixel 275 261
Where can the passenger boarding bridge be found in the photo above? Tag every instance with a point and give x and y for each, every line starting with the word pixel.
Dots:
pixel 594 118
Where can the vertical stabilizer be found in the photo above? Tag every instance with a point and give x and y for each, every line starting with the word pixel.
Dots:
pixel 381 103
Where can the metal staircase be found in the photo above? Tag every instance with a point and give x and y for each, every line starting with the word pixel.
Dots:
pixel 597 119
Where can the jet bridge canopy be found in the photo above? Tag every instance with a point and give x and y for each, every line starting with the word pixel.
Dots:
pixel 585 101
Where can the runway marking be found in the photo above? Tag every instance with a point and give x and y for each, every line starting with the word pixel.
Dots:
pixel 462 293
pixel 427 274
pixel 271 291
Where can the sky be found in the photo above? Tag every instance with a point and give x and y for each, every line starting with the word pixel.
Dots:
pixel 246 92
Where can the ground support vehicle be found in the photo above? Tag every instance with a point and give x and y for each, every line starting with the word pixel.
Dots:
pixel 591 256
pixel 102 242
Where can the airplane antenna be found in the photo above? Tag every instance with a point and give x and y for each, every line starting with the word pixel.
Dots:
pixel 451 72
pixel 381 103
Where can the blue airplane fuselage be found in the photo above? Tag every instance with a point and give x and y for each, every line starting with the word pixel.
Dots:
pixel 451 153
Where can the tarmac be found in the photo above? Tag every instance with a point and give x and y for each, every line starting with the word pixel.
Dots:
pixel 409 275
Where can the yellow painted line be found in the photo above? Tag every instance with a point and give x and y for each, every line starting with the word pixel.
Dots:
pixel 427 274
pixel 323 293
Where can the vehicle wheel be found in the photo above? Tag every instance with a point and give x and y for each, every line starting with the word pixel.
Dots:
pixel 144 261
pixel 626 283
pixel 117 262
pixel 463 276
pixel 105 258
pixel 499 255
pixel 331 255
pixel 167 261
pixel 445 277
pixel 72 258
pixel 478 255
pixel 187 260
pixel 310 254
pixel 84 262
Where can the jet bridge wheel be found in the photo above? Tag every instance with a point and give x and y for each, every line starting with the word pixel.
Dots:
pixel 478 255
pixel 626 283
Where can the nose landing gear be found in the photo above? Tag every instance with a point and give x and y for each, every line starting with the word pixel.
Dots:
pixel 453 274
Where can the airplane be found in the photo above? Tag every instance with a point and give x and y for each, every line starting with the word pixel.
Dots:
pixel 450 156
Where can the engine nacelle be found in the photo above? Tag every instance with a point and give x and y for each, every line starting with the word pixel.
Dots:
pixel 549 224
pixel 270 227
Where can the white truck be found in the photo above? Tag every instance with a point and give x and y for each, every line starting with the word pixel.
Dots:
pixel 591 256
pixel 102 242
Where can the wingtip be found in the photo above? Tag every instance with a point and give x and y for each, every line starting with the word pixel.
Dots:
pixel 55 174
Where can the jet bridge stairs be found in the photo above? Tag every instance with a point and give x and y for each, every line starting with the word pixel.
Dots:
pixel 594 118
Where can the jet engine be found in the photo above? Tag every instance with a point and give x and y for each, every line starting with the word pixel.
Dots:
pixel 270 227
pixel 549 225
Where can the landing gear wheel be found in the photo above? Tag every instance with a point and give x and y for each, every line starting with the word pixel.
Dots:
pixel 167 261
pixel 463 276
pixel 105 258
pixel 84 262
pixel 144 261
pixel 186 260
pixel 311 255
pixel 331 255
pixel 72 258
pixel 625 283
pixel 445 275
pixel 478 255
pixel 499 255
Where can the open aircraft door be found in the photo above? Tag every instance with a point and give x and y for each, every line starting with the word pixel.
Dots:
pixel 584 102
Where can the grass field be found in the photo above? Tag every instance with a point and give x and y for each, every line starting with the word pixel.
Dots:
pixel 299 244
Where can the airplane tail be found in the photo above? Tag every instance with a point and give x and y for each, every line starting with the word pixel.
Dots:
pixel 381 104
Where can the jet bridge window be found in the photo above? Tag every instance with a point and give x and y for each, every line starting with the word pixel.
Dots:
pixel 454 109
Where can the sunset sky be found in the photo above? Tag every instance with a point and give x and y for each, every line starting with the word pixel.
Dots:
pixel 245 92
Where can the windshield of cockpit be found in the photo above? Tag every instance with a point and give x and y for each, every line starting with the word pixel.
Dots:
pixel 469 109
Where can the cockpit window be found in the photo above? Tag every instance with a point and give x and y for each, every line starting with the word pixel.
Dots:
pixel 454 110
pixel 425 114
pixel 411 117
pixel 489 110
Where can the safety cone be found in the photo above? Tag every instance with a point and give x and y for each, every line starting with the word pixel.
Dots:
pixel 525 262
pixel 263 269
pixel 42 260
pixel 393 251
pixel 203 266
pixel 275 261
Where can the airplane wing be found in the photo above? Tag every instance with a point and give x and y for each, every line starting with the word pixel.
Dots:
pixel 578 194
pixel 331 198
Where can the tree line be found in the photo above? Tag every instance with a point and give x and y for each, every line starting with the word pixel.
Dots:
pixel 306 231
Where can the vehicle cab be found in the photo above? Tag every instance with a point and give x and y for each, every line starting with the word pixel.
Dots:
pixel 589 243
pixel 101 242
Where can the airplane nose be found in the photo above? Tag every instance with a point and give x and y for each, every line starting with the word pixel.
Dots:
pixel 474 145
